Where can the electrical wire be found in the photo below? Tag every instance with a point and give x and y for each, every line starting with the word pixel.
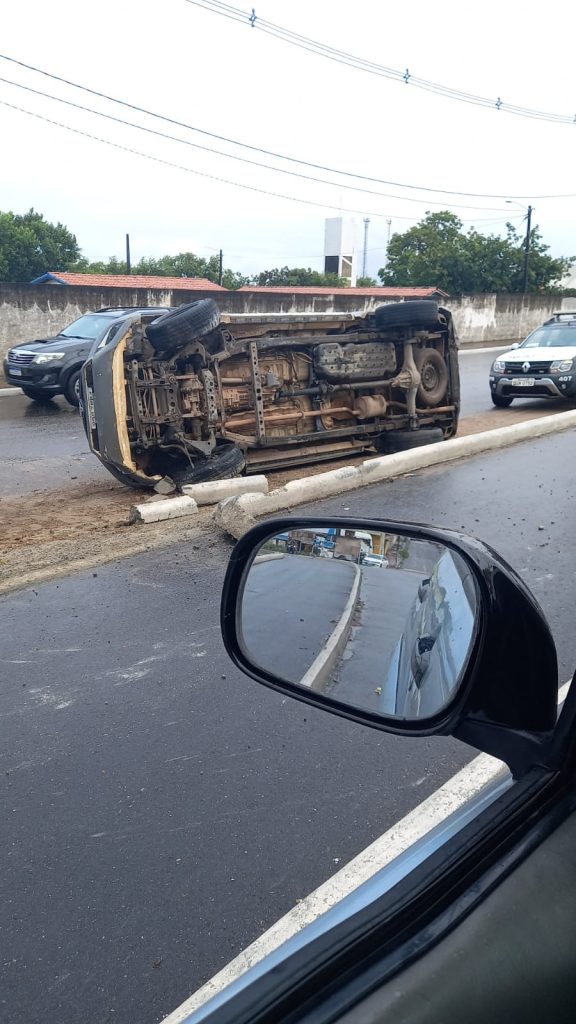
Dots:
pixel 361 64
pixel 211 177
pixel 268 152
pixel 190 170
pixel 246 160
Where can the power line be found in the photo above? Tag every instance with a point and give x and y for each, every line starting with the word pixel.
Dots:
pixel 268 152
pixel 361 64
pixel 204 174
pixel 242 159
pixel 190 170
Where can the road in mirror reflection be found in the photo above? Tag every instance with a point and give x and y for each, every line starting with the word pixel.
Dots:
pixel 380 621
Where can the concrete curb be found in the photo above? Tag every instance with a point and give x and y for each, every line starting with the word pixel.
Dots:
pixel 5 392
pixel 157 511
pixel 212 491
pixel 321 668
pixel 237 515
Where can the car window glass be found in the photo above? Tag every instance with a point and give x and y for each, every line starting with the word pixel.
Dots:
pixel 551 337
pixel 88 326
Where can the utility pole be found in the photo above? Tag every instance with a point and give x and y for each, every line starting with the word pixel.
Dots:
pixel 220 269
pixel 389 226
pixel 527 249
pixel 365 253
pixel 128 264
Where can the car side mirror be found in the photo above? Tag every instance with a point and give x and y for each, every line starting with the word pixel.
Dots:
pixel 405 628
pixel 515 345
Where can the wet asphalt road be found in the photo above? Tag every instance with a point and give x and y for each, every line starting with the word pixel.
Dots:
pixel 305 597
pixel 40 446
pixel 159 809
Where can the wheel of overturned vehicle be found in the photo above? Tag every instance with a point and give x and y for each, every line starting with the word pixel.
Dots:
pixel 433 376
pixel 420 314
pixel 72 389
pixel 126 479
pixel 227 460
pixel 403 440
pixel 501 401
pixel 174 330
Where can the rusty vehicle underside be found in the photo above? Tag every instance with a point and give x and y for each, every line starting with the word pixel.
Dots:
pixel 281 389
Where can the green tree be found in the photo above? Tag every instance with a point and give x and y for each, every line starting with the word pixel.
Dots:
pixel 437 252
pixel 366 282
pixel 294 277
pixel 30 246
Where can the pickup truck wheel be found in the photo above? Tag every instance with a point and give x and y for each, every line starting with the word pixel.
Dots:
pixel 227 460
pixel 126 479
pixel 421 314
pixel 433 376
pixel 182 325
pixel 403 440
pixel 501 401
pixel 72 389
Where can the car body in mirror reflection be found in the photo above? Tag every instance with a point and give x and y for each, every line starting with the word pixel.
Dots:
pixel 433 648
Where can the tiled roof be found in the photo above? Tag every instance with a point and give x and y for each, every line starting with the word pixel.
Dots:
pixel 381 293
pixel 192 284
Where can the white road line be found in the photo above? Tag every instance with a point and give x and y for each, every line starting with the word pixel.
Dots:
pixel 466 784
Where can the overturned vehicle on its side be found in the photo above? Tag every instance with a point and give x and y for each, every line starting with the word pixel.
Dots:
pixel 198 395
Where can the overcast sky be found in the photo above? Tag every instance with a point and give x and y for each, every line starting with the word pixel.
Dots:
pixel 224 77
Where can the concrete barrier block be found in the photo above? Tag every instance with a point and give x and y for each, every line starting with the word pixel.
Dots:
pixel 169 508
pixel 213 491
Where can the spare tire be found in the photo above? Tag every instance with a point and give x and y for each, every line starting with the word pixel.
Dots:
pixel 174 330
pixel 421 314
pixel 433 376
pixel 226 460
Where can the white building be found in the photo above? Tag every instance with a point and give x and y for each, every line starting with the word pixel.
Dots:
pixel 341 248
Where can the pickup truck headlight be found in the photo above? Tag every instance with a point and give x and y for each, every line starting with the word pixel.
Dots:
pixel 498 366
pixel 561 365
pixel 48 357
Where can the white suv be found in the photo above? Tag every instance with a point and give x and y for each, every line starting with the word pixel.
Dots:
pixel 542 366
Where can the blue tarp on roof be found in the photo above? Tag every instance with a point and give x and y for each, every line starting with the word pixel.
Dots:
pixel 48 277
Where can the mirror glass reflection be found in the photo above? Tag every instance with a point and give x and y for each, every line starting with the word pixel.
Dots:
pixel 380 621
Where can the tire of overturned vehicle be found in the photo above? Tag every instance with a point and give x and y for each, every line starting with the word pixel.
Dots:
pixel 174 330
pixel 433 376
pixel 403 440
pixel 420 314
pixel 227 460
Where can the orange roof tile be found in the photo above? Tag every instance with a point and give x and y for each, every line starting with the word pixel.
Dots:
pixel 137 281
pixel 381 293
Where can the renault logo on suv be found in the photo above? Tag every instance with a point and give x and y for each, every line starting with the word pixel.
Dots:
pixel 525 367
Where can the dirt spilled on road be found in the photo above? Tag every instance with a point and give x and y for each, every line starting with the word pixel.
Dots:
pixel 50 533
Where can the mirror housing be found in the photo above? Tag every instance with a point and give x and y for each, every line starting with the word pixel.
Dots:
pixel 505 700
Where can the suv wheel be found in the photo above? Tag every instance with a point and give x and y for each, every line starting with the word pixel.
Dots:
pixel 37 396
pixel 501 401
pixel 72 389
